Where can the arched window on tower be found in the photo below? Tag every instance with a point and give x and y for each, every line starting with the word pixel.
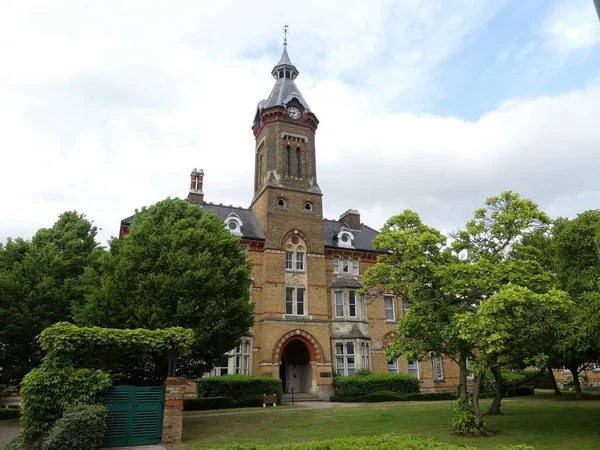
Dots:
pixel 288 161
pixel 299 162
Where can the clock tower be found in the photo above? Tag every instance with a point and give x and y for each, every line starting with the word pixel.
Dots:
pixel 286 192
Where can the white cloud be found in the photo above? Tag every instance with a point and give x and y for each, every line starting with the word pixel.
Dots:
pixel 106 108
pixel 571 26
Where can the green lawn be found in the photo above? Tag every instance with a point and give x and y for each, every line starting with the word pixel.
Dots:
pixel 541 421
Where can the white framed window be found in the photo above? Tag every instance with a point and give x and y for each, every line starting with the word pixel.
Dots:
pixel 438 367
pixel 405 307
pixel 345 265
pixel 390 314
pixel 354 266
pixel 393 365
pixel 470 375
pixel 242 357
pixel 295 301
pixel 234 224
pixel 339 304
pixel 345 361
pixel 364 356
pixel 596 366
pixel 352 303
pixel 413 368
pixel 336 264
pixel 222 368
pixel 300 261
pixel 289 260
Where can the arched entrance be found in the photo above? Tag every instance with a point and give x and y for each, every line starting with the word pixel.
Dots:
pixel 295 370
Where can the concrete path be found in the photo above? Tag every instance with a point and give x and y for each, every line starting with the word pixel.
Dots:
pixel 9 429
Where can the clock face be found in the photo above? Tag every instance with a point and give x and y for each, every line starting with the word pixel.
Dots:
pixel 294 113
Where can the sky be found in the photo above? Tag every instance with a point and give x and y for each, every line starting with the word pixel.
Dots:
pixel 429 105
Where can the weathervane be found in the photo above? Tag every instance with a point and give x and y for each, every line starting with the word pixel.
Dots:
pixel 285 33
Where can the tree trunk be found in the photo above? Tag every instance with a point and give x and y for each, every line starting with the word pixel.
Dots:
pixel 573 368
pixel 462 388
pixel 502 388
pixel 553 381
pixel 476 393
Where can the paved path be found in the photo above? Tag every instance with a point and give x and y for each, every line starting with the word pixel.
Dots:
pixel 9 429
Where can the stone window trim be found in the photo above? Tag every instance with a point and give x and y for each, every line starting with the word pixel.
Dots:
pixel 437 366
pixel 281 203
pixel 348 305
pixel 242 355
pixel 346 265
pixel 345 357
pixel 365 362
pixel 295 302
pixel 295 255
pixel 390 308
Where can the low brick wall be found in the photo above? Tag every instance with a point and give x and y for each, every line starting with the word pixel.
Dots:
pixel 173 417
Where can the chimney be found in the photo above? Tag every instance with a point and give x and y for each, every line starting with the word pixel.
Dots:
pixel 196 196
pixel 351 218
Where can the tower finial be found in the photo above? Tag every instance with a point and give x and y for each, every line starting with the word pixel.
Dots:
pixel 285 33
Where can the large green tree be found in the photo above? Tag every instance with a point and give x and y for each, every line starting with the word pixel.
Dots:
pixel 443 279
pixel 179 266
pixel 39 281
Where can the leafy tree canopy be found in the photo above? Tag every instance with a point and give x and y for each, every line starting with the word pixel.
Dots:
pixel 178 267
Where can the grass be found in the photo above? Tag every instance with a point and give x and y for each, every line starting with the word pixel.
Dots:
pixel 543 422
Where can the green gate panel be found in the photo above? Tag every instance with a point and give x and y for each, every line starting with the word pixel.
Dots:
pixel 135 415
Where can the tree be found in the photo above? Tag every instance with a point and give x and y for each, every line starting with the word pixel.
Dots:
pixel 178 266
pixel 442 281
pixel 39 281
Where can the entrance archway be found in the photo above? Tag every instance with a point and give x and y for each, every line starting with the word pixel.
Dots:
pixel 295 370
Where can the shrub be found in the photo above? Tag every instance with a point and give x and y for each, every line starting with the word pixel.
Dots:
pixel 542 382
pixel 9 413
pixel 363 372
pixel 360 385
pixel 202 404
pixel 249 401
pixel 49 389
pixel 569 384
pixel 520 391
pixel 490 388
pixel 384 442
pixel 81 427
pixel 15 444
pixel 389 396
pixel 237 386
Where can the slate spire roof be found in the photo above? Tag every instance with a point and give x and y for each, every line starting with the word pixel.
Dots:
pixel 285 88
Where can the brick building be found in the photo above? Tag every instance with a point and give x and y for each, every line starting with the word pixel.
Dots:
pixel 309 320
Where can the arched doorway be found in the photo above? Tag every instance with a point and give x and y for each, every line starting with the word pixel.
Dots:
pixel 295 370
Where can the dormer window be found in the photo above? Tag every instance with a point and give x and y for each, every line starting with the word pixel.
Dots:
pixel 234 224
pixel 345 239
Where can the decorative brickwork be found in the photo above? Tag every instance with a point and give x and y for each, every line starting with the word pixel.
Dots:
pixel 173 415
pixel 314 348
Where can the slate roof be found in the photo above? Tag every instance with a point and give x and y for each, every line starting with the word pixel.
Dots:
pixel 250 227
pixel 346 281
pixel 363 237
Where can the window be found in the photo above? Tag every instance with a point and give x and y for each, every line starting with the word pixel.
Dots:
pixel 470 375
pixel 345 266
pixel 336 264
pixel 295 301
pixel 289 258
pixel 222 367
pixel 339 304
pixel 242 358
pixel 289 301
pixel 344 359
pixel 596 366
pixel 300 301
pixel 352 303
pixel 299 162
pixel 300 261
pixel 438 368
pixel 364 356
pixel 234 224
pixel 308 207
pixel 355 266
pixel 363 314
pixel 405 307
pixel 389 307
pixel 413 368
pixel 288 160
pixel 393 365
pixel 281 203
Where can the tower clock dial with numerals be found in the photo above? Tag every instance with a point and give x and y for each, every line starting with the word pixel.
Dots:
pixel 294 113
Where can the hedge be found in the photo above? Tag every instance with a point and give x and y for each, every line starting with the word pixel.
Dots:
pixel 542 382
pixel 238 386
pixel 9 413
pixel 361 385
pixel 81 427
pixel 389 396
pixel 206 403
pixel 384 442
pixel 520 391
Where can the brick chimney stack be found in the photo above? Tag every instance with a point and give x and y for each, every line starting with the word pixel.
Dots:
pixel 196 195
pixel 351 218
